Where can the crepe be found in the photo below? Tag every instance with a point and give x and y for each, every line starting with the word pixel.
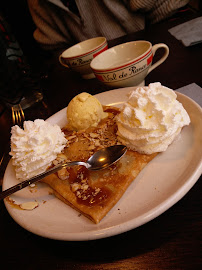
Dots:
pixel 94 193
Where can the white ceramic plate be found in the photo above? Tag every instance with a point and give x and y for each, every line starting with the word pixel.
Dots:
pixel 163 182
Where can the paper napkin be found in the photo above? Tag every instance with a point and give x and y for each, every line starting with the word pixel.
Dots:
pixel 189 33
pixel 193 91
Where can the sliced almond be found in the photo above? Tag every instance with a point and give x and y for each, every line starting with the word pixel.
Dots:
pixel 29 205
pixel 55 162
pixel 63 174
pixel 97 143
pixel 71 137
pixel 75 186
pixel 94 135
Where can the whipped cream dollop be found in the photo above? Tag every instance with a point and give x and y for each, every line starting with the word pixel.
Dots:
pixel 151 119
pixel 35 147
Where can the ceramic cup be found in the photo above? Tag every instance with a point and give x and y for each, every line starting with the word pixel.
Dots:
pixel 127 64
pixel 79 56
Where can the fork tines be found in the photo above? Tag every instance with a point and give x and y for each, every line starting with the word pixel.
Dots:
pixel 18 115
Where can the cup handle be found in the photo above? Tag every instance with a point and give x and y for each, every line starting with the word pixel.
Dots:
pixel 163 58
pixel 61 62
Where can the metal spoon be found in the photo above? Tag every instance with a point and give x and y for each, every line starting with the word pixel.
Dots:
pixel 98 161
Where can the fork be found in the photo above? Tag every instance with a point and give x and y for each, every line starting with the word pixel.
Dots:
pixel 18 115
pixel 18 118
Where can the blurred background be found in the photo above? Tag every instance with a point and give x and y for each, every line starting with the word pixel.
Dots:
pixel 18 16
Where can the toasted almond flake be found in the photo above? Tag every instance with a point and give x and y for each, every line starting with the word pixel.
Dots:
pixel 94 135
pixel 71 137
pixel 75 186
pixel 55 162
pixel 61 156
pixel 97 143
pixel 29 205
pixel 84 187
pixel 86 136
pixel 63 174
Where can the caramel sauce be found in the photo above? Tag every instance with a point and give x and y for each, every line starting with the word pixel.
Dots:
pixel 112 110
pixel 93 200
pixel 91 196
pixel 72 175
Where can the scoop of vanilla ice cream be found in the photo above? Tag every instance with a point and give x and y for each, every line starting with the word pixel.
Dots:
pixel 35 147
pixel 151 119
pixel 84 111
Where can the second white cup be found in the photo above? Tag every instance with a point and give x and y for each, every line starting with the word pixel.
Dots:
pixel 79 56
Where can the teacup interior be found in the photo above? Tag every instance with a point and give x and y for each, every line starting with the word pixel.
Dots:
pixel 120 55
pixel 83 47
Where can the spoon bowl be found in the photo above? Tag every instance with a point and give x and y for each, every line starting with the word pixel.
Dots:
pixel 106 157
pixel 98 161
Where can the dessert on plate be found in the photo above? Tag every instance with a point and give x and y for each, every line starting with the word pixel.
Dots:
pixel 147 123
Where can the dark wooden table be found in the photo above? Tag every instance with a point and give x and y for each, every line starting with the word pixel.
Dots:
pixel 171 241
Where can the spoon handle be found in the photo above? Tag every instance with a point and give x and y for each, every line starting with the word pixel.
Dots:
pixel 37 178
